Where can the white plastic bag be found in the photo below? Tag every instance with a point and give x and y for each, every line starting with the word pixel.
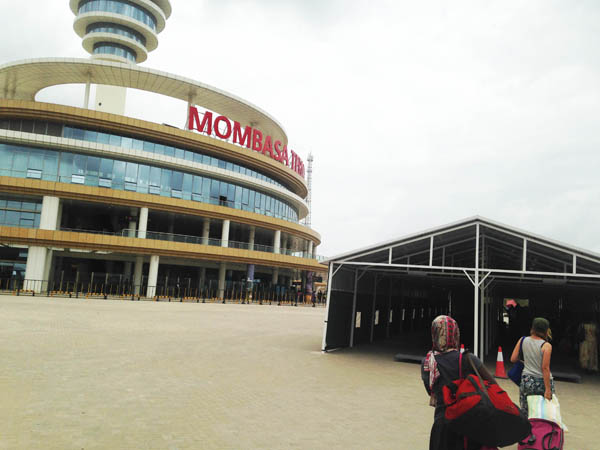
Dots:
pixel 541 408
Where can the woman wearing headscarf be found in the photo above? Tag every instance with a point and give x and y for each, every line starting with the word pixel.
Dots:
pixel 536 378
pixel 441 367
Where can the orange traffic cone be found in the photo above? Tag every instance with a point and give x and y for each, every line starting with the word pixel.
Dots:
pixel 500 373
pixel 462 348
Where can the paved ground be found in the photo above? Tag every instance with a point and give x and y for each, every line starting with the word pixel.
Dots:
pixel 118 374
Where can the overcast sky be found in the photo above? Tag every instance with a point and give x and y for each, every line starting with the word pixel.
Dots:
pixel 417 113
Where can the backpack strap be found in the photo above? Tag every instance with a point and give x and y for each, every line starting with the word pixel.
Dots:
pixel 521 355
pixel 460 365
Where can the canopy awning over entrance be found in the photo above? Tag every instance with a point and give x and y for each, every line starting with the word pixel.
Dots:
pixel 482 251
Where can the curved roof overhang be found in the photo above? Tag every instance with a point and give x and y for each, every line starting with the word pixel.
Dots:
pixel 22 80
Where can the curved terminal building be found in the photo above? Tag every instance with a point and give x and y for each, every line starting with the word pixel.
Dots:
pixel 94 201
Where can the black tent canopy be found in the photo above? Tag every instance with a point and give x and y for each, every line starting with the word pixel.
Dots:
pixel 465 269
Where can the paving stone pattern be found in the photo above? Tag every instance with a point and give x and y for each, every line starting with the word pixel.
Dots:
pixel 96 374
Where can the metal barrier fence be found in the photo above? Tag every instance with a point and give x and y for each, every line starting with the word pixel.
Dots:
pixel 180 290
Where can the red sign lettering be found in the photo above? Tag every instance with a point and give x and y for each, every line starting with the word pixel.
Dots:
pixel 249 138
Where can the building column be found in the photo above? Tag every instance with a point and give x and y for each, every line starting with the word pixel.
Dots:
pixel 137 274
pixel 222 271
pixel 277 241
pixel 225 234
pixel 202 276
pixel 205 231
pixel 275 279
pixel 39 259
pixel 152 276
pixel 310 249
pixel 251 238
pixel 314 255
pixel 143 223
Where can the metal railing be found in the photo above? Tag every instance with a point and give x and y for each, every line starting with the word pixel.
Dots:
pixel 189 239
pixel 107 286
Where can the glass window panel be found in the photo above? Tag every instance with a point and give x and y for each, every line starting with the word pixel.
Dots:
pixel 106 168
pixel 165 180
pixel 12 218
pixel 143 176
pixel 103 138
pixel 27 126
pixel 169 151
pixel 223 189
pixel 50 165
pixel 176 180
pixel 197 184
pixel 36 159
pixel 206 189
pixel 54 129
pixel 229 166
pixel 136 144
pixel 91 135
pixel 20 161
pixel 115 140
pixel 78 133
pixel 245 193
pixel 187 182
pixel 148 146
pixel 79 163
pixel 159 149
pixel 66 166
pixel 206 159
pixel 2 216
pixel 222 164
pixel 126 142
pixel 4 124
pixel 15 125
pixel 40 127
pixel 93 165
pixel 131 172
pixel 197 158
pixel 251 200
pixel 214 188
pixel 189 156
pixel 238 194
pixel 179 153
pixel 231 192
pixel 119 173
pixel 155 176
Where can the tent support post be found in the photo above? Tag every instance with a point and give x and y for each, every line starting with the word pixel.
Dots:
pixel 329 283
pixel 353 321
pixel 476 297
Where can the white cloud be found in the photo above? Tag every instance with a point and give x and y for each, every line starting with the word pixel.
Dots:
pixel 417 113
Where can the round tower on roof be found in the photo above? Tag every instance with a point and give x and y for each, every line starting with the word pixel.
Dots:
pixel 120 30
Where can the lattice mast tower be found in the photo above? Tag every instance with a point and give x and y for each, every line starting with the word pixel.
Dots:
pixel 309 184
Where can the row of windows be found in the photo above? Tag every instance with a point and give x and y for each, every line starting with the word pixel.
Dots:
pixel 119 7
pixel 109 48
pixel 27 162
pixel 54 129
pixel 15 212
pixel 105 27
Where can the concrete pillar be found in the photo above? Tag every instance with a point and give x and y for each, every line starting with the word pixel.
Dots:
pixel 35 268
pixel 152 276
pixel 222 271
pixel 205 232
pixel 314 255
pixel 202 276
pixel 49 215
pixel 137 274
pixel 143 223
pixel 277 241
pixel 39 259
pixel 275 275
pixel 284 244
pixel 310 249
pixel 251 238
pixel 131 228
pixel 225 234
